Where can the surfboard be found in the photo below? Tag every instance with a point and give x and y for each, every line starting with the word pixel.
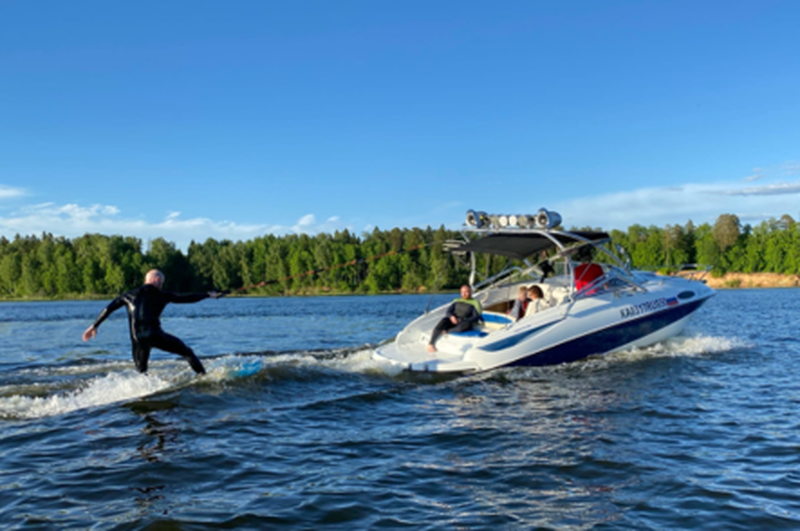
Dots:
pixel 248 368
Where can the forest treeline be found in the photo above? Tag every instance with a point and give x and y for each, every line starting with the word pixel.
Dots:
pixel 411 260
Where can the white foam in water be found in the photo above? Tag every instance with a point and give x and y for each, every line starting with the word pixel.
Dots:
pixel 123 385
pixel 116 384
pixel 103 390
pixel 359 361
pixel 239 366
pixel 697 345
pixel 681 346
pixel 71 370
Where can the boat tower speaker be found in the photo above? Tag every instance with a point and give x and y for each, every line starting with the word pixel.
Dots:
pixel 477 219
pixel 547 220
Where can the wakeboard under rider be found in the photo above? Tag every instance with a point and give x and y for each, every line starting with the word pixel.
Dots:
pixel 144 305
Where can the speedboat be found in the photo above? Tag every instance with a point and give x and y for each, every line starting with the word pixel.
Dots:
pixel 619 310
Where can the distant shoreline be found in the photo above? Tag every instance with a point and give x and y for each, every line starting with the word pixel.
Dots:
pixel 753 280
pixel 726 281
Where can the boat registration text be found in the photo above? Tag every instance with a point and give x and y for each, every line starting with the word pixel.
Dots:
pixel 645 307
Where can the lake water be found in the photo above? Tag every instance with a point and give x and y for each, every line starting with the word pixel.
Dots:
pixel 702 432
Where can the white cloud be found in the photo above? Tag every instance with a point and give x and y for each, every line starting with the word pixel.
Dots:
pixel 8 192
pixel 660 206
pixel 73 220
pixel 701 203
pixel 306 221
pixel 770 189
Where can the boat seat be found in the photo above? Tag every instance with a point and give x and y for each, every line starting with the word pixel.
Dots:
pixel 491 321
pixel 475 332
pixel 555 295
pixel 495 321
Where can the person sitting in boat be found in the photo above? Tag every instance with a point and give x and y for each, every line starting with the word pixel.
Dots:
pixel 587 272
pixel 461 316
pixel 536 300
pixel 517 311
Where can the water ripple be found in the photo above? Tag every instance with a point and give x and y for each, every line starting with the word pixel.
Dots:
pixel 305 430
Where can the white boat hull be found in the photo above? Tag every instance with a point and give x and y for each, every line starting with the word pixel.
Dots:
pixel 606 322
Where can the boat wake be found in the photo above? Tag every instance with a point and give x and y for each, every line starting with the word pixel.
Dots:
pixel 49 391
pixel 676 347
pixel 35 400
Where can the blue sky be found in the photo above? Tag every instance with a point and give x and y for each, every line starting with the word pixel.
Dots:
pixel 193 120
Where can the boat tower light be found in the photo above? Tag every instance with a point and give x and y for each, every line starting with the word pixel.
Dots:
pixel 543 219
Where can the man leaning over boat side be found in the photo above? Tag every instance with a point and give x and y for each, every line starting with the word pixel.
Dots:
pixel 461 316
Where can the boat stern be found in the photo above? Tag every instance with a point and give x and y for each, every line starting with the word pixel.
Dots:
pixel 418 359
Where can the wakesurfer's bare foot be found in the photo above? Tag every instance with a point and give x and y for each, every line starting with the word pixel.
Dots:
pixel 431 348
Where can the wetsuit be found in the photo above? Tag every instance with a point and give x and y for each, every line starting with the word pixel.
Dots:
pixel 145 305
pixel 468 313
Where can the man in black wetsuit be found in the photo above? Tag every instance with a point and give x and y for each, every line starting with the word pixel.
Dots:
pixel 461 316
pixel 145 305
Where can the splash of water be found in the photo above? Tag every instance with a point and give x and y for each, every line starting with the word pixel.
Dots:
pixel 104 383
pixel 680 346
pixel 99 391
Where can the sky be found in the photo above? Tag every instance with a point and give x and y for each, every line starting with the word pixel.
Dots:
pixel 189 120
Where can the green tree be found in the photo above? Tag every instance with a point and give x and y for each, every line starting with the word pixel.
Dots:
pixel 708 252
pixel 727 230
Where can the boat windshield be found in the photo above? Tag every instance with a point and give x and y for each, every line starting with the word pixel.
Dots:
pixel 544 254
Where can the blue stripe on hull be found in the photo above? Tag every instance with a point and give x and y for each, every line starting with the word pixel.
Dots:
pixel 609 339
pixel 514 340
